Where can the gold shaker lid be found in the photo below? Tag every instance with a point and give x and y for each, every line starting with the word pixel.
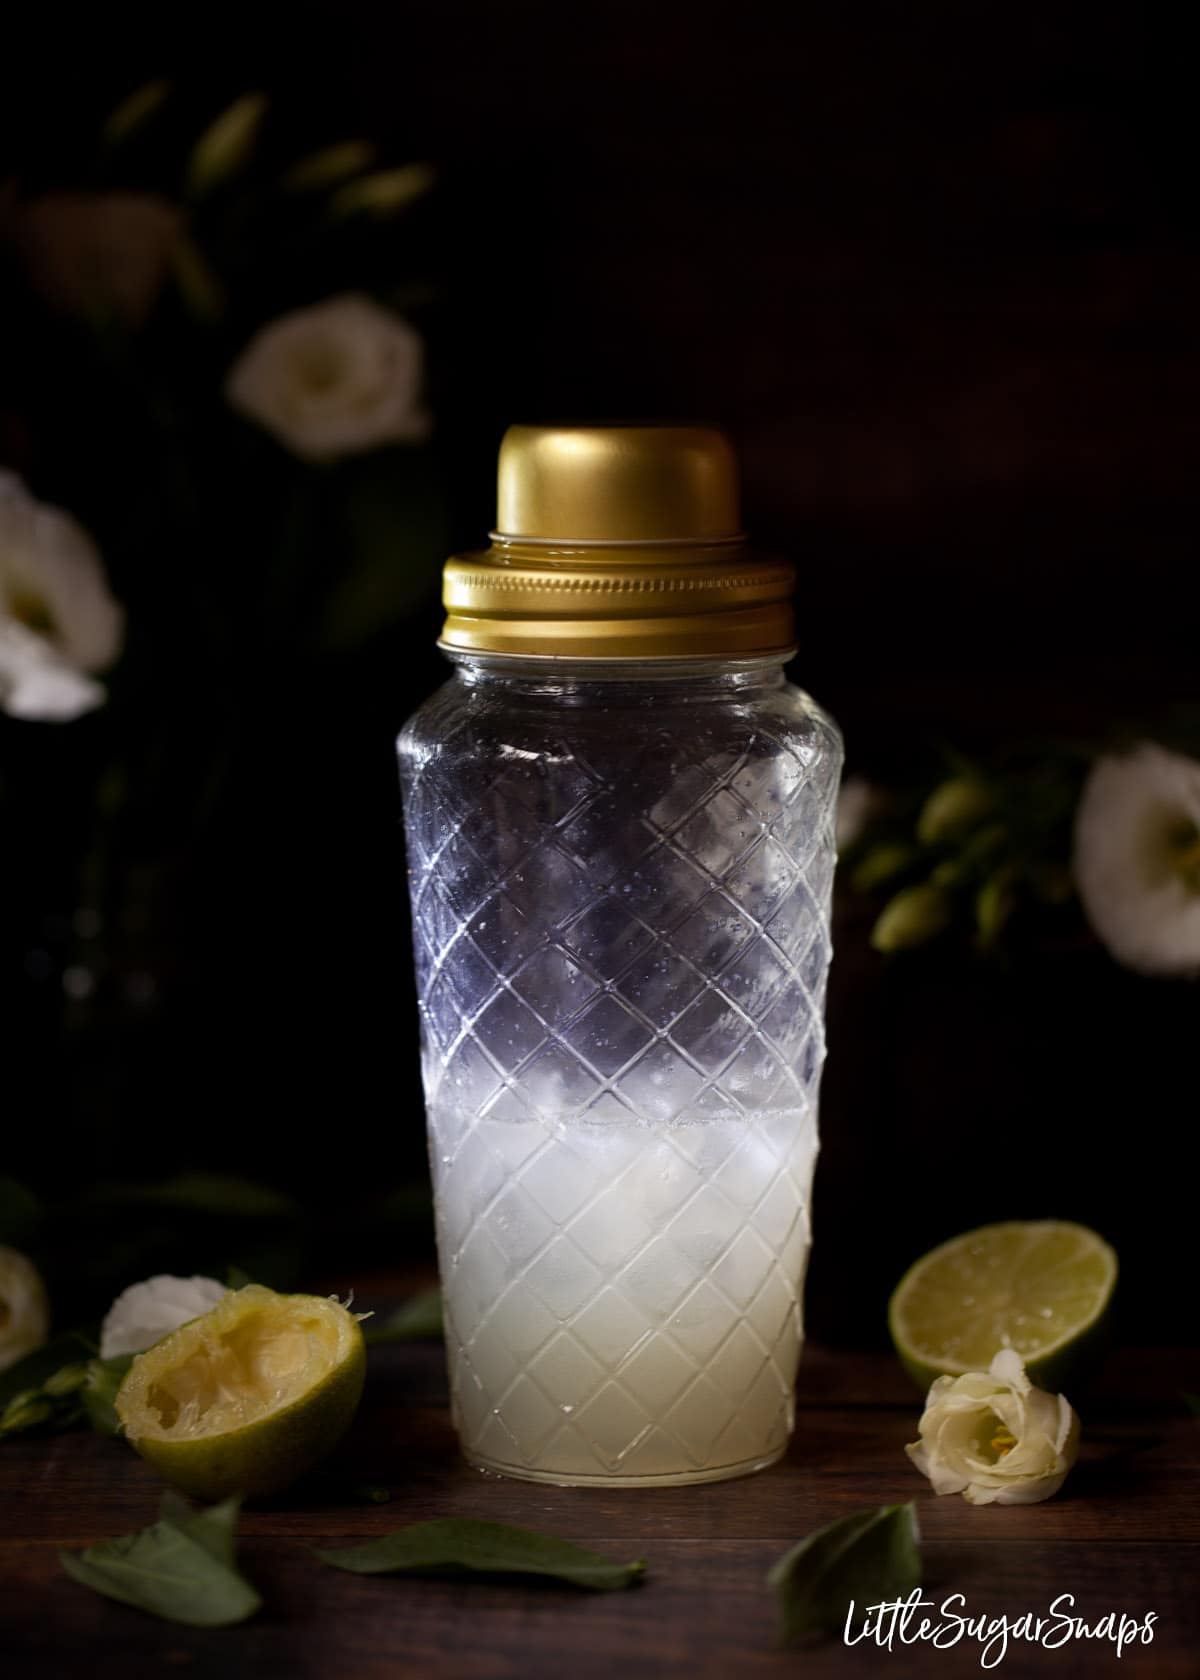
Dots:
pixel 618 542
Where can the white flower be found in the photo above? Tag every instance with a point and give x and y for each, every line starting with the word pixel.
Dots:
pixel 24 1310
pixel 1137 858
pixel 994 1438
pixel 58 620
pixel 335 380
pixel 855 807
pixel 146 1312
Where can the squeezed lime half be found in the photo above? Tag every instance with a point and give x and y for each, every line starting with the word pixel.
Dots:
pixel 247 1397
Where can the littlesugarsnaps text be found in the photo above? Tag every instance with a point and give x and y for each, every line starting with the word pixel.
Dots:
pixel 906 1621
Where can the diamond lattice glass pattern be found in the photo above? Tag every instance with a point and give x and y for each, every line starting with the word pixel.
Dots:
pixel 620 899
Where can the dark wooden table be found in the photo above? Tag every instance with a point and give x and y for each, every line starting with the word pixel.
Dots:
pixel 1124 1535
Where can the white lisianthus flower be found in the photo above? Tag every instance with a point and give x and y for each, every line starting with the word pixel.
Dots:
pixel 855 806
pixel 146 1312
pixel 24 1309
pixel 338 379
pixel 1137 858
pixel 59 623
pixel 994 1438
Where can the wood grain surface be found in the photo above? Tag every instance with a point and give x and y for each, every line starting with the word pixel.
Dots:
pixel 1124 1535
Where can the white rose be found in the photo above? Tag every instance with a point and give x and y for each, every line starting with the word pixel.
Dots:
pixel 146 1312
pixel 58 620
pixel 1137 858
pixel 994 1438
pixel 335 380
pixel 24 1309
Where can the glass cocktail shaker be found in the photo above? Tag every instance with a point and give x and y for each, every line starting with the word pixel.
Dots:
pixel 620 827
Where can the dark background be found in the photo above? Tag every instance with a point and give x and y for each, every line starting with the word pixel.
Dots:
pixel 935 267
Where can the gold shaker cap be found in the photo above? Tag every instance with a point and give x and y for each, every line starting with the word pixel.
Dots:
pixel 618 542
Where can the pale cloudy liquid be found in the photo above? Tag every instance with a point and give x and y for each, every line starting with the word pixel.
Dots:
pixel 623 1301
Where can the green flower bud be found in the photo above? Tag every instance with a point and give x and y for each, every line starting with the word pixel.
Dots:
pixel 383 193
pixel 65 1380
pixel 953 809
pixel 882 864
pixel 979 852
pixel 17 1418
pixel 913 917
pixel 226 145
pixel 329 166
pixel 26 1397
pixel 951 872
pixel 994 904
pixel 135 110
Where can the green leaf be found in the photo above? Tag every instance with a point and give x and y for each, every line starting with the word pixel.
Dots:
pixel 40 1366
pixel 180 1568
pixel 214 1527
pixel 458 1546
pixel 104 1378
pixel 418 1320
pixel 1193 1404
pixel 871 1558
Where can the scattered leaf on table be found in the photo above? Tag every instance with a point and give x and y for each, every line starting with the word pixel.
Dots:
pixel 419 1319
pixel 180 1568
pixel 214 1526
pixel 871 1557
pixel 457 1546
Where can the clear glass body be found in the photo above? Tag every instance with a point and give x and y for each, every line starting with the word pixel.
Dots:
pixel 620 880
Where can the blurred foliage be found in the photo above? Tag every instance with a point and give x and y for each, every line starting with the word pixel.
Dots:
pixel 970 849
pixel 91 1244
pixel 192 917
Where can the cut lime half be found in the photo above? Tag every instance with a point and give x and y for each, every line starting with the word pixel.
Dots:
pixel 248 1397
pixel 1040 1286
